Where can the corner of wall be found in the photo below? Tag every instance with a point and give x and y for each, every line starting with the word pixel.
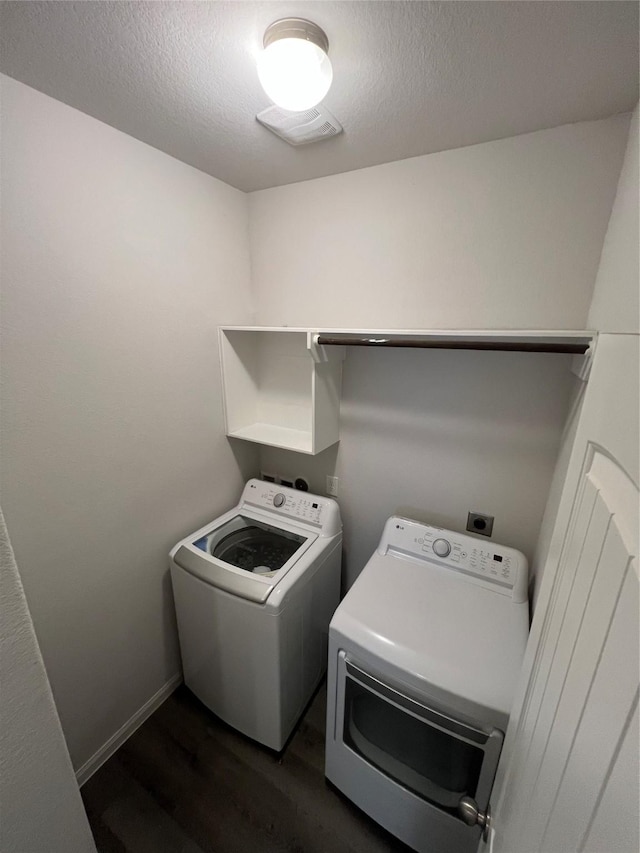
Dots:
pixel 41 807
pixel 615 302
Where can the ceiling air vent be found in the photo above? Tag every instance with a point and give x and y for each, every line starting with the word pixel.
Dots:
pixel 302 128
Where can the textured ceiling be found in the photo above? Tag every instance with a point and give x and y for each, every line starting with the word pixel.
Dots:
pixel 410 78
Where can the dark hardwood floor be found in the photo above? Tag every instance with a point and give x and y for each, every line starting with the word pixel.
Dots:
pixel 187 783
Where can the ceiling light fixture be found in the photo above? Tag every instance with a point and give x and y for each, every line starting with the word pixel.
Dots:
pixel 294 68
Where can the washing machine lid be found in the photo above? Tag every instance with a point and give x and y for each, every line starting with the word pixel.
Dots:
pixel 437 630
pixel 244 552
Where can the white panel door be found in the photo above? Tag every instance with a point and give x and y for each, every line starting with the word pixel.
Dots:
pixel 568 778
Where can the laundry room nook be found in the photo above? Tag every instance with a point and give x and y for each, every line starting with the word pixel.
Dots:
pixel 319 427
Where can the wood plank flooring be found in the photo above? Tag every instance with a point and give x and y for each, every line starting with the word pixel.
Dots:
pixel 187 783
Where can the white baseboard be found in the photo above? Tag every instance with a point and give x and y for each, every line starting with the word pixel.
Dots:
pixel 124 732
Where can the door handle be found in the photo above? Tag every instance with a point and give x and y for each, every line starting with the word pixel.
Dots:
pixel 470 813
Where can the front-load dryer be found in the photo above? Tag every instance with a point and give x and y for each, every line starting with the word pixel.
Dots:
pixel 254 594
pixel 424 654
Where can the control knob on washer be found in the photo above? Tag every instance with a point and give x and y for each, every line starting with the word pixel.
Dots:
pixel 441 547
pixel 279 499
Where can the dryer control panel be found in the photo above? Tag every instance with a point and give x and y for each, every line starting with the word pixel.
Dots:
pixel 300 506
pixel 500 565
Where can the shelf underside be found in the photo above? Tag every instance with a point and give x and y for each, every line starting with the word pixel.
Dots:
pixel 276 436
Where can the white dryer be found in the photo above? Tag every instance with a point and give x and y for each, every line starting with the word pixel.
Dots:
pixel 254 593
pixel 424 655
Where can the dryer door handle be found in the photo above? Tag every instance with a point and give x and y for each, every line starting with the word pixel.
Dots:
pixel 470 813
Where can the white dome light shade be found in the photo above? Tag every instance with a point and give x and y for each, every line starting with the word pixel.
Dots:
pixel 294 71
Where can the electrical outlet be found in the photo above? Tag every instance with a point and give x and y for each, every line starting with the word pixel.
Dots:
pixel 479 523
pixel 268 478
pixel 332 486
pixel 285 481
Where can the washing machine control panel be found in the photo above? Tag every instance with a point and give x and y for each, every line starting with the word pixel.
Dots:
pixel 296 505
pixel 302 507
pixel 498 564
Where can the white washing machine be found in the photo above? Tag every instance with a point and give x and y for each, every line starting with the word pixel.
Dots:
pixel 254 593
pixel 424 655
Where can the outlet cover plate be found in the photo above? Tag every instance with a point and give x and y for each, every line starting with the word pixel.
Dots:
pixel 332 486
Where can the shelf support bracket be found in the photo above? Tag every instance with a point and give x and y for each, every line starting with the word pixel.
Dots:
pixel 320 353
pixel 581 364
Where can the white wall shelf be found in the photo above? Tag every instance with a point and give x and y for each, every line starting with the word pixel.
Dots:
pixel 282 385
pixel 279 389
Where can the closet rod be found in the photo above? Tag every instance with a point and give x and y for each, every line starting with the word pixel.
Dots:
pixel 498 346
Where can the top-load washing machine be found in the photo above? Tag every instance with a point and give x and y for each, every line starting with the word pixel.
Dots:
pixel 254 593
pixel 424 654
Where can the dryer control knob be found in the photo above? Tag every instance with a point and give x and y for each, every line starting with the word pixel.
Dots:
pixel 279 499
pixel 441 547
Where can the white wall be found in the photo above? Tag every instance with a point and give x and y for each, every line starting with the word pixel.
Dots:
pixel 119 262
pixel 616 297
pixel 614 310
pixel 41 809
pixel 505 234
pixel 433 435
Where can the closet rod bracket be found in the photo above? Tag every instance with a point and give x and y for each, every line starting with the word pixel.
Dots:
pixel 319 353
pixel 581 364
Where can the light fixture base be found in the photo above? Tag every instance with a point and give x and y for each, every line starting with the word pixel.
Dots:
pixel 300 28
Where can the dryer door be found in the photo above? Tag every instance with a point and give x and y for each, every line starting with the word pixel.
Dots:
pixel 415 745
